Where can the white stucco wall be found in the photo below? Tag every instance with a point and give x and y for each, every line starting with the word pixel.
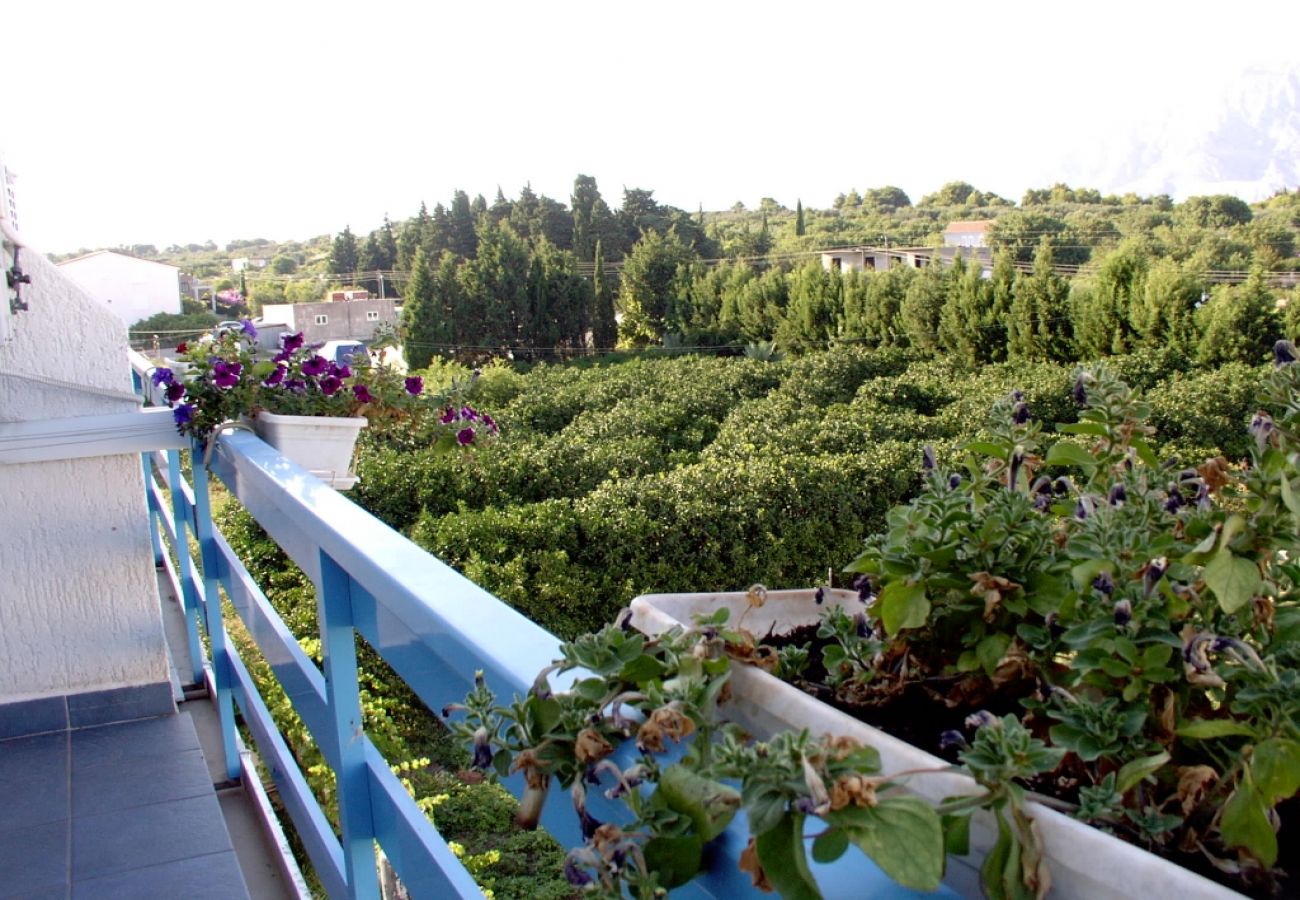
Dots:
pixel 79 606
pixel 133 289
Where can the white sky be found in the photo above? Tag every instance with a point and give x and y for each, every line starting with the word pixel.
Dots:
pixel 179 122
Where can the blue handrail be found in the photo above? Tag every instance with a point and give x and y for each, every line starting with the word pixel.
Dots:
pixel 431 624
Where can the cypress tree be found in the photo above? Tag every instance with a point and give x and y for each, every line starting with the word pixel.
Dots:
pixel 798 218
pixel 604 332
pixel 422 325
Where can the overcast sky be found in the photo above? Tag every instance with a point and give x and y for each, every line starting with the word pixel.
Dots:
pixel 180 122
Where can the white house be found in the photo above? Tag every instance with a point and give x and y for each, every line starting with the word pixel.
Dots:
pixel 132 288
pixel 325 320
pixel 967 233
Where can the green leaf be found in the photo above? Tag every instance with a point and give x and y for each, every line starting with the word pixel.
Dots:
pixel 968 661
pixel 903 605
pixel 991 650
pixel 676 859
pixel 1094 428
pixel 1202 729
pixel 709 804
pixel 1289 497
pixel 1133 772
pixel 830 845
pixel 956 835
pixel 902 835
pixel 1245 824
pixel 1231 528
pixel 766 808
pixel 986 448
pixel 641 670
pixel 1064 453
pixel 781 852
pixel 1234 580
pixel 1275 769
pixel 1145 453
pixel 591 689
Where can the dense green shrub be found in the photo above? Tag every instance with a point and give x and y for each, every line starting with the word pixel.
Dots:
pixel 1205 413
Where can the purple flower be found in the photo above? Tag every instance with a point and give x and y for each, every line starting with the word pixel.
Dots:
pixel 295 385
pixel 246 325
pixel 952 740
pixel 927 458
pixel 1080 392
pixel 341 371
pixel 490 423
pixel 576 876
pixel 860 626
pixel 226 375
pixel 275 377
pixel 862 584
pixel 482 750
pixel 1118 495
pixel 161 376
pixel 329 385
pixel 1123 613
pixel 315 365
pixel 1284 353
pixel 1084 508
pixel 1175 500
pixel 1020 414
pixel 362 393
pixel 414 385
pixel 175 391
pixel 981 719
pixel 448 416
pixel 1104 583
pixel 819 596
pixel 465 437
pixel 1156 570
pixel 954 481
pixel 290 342
pixel 469 414
pixel 183 413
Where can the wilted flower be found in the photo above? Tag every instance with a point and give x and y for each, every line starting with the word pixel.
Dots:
pixel 1118 495
pixel 1080 392
pixel 1155 570
pixel 576 876
pixel 1174 501
pixel 862 584
pixel 1084 508
pixel 1261 427
pixel 482 750
pixel 1104 584
pixel 1013 470
pixel 861 627
pixel 591 746
pixel 982 719
pixel 927 458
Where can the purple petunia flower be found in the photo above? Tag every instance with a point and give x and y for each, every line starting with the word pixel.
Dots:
pixel 490 423
pixel 819 596
pixel 448 416
pixel 276 376
pixel 329 385
pixel 226 375
pixel 290 342
pixel 1020 414
pixel 465 437
pixel 295 385
pixel 362 393
pixel 341 371
pixel 469 414
pixel 161 376
pixel 175 391
pixel 315 366
pixel 414 385
pixel 183 413
pixel 574 875
pixel 246 325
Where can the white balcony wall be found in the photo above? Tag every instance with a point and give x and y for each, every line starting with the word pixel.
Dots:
pixel 79 607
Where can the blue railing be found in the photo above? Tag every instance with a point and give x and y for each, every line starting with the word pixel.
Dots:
pixel 433 626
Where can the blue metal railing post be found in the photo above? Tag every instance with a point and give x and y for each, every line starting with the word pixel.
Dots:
pixel 221 672
pixel 181 517
pixel 154 539
pixel 342 692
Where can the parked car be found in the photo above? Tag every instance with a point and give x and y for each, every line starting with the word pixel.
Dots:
pixel 343 352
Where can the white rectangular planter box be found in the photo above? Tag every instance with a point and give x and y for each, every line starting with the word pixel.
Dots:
pixel 1085 863
pixel 323 445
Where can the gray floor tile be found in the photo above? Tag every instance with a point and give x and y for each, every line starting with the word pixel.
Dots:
pixel 34 858
pixel 119 704
pixel 115 842
pixel 53 892
pixel 34 801
pixel 101 789
pixel 212 877
pixel 126 742
pixel 39 757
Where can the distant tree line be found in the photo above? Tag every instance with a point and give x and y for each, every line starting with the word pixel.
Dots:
pixel 1076 273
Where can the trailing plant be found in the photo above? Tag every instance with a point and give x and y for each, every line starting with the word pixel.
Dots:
pixel 1144 614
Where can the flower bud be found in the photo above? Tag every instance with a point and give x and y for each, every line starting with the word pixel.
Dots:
pixel 1123 613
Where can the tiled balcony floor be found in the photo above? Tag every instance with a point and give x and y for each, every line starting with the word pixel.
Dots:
pixel 117 811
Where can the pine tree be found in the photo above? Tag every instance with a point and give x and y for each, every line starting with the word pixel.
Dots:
pixel 1039 325
pixel 604 331
pixel 463 240
pixel 343 253
pixel 923 305
pixel 1239 323
pixel 798 219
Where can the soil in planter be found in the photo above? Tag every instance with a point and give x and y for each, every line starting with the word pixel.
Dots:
pixel 915 711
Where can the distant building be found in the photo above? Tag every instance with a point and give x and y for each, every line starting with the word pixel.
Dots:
pixel 349 295
pixel 872 259
pixel 132 288
pixel 241 263
pixel 327 320
pixel 967 233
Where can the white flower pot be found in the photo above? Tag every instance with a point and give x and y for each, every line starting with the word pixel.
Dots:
pixel 323 445
pixel 1084 862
